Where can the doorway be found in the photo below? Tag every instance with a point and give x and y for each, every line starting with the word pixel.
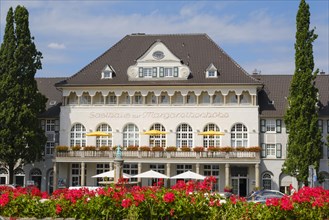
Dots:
pixel 240 186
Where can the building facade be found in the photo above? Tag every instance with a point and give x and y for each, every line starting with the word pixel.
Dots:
pixel 181 85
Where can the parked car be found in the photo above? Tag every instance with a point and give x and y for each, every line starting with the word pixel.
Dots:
pixel 261 196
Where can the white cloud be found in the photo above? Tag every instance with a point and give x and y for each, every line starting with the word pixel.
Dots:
pixel 56 46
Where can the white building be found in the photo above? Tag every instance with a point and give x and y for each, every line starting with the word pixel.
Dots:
pixel 181 85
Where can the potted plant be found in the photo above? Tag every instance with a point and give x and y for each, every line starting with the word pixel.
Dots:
pixel 226 149
pixel 171 149
pixel 62 148
pixel 104 148
pixel 228 189
pixel 157 148
pixel 132 148
pixel 89 148
pixel 198 149
pixel 254 149
pixel 185 149
pixel 76 148
pixel 240 149
pixel 213 149
pixel 145 148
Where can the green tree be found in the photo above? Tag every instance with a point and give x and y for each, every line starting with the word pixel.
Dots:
pixel 21 137
pixel 301 118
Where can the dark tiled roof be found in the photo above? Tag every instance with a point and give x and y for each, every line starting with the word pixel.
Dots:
pixel 276 89
pixel 197 51
pixel 47 87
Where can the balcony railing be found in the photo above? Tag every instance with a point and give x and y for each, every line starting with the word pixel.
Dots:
pixel 156 154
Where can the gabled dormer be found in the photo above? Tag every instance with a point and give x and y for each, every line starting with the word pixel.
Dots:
pixel 211 71
pixel 107 72
pixel 158 63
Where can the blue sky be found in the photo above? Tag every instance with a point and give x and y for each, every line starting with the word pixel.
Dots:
pixel 256 34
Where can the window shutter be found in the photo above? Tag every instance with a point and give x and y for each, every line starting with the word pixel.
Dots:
pixel 175 71
pixel 161 71
pixel 278 125
pixel 263 125
pixel 278 150
pixel 155 72
pixel 320 124
pixel 263 154
pixel 328 126
pixel 140 71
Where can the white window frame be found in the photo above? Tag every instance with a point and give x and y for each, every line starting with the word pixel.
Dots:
pixel 181 168
pixel 104 140
pixel 131 169
pixel 158 140
pixel 270 150
pixel 50 146
pixel 270 126
pixel 211 140
pixel 78 135
pixel 130 135
pixel 184 136
pixel 168 72
pixel 147 72
pixel 239 135
pixel 267 181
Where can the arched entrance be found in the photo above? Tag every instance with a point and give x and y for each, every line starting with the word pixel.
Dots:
pixel 36 176
pixel 19 177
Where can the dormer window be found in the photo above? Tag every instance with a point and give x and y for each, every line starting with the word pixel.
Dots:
pixel 107 72
pixel 211 71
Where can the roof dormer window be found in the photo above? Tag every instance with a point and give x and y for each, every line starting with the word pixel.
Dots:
pixel 211 71
pixel 107 72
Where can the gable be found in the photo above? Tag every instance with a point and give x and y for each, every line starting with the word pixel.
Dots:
pixel 158 63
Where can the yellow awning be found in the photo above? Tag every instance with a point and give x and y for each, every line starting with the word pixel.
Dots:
pixel 154 132
pixel 98 134
pixel 211 133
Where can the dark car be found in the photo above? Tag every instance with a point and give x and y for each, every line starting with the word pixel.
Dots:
pixel 261 196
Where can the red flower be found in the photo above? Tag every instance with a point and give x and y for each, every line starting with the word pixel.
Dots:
pixel 169 197
pixel 4 199
pixel 58 209
pixel 126 203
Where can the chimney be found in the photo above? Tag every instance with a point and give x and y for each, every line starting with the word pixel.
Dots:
pixel 322 72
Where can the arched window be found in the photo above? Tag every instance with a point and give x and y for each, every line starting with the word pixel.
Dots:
pixel 106 140
pixel 158 140
pixel 36 176
pixel 239 136
pixel 211 140
pixel 78 135
pixel 267 180
pixel 217 98
pixel 130 135
pixel 19 176
pixel 190 98
pixel 85 99
pixel 184 136
pixel 3 175
pixel 204 98
pixel 72 99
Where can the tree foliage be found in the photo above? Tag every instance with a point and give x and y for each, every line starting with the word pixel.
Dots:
pixel 301 118
pixel 21 137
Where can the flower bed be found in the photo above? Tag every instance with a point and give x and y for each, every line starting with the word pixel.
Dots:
pixel 191 200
